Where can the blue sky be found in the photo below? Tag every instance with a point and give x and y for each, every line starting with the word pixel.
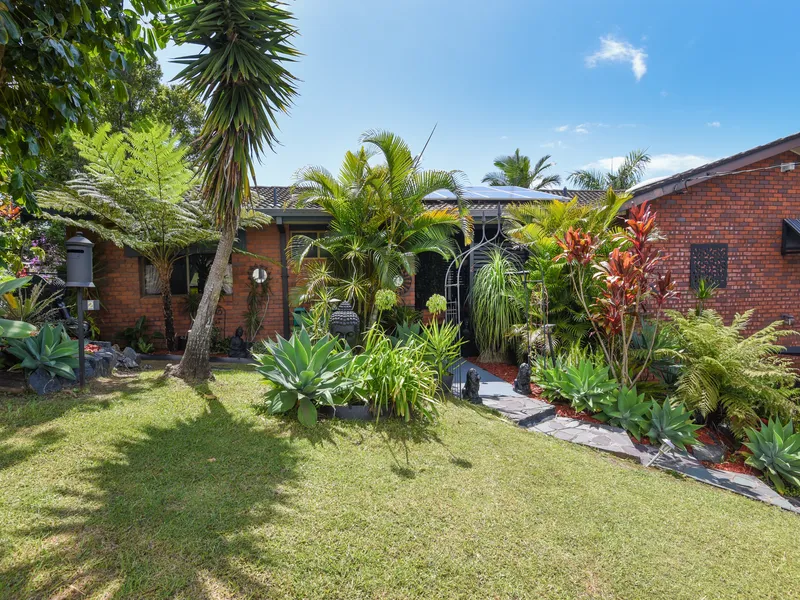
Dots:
pixel 584 81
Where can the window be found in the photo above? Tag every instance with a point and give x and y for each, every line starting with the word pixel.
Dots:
pixel 709 262
pixel 189 273
pixel 314 251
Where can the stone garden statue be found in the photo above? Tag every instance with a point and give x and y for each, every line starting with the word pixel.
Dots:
pixel 238 345
pixel 345 324
pixel 522 384
pixel 471 387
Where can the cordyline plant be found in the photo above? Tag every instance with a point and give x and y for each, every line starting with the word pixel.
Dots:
pixel 630 289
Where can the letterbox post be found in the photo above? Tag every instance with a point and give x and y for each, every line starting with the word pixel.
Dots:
pixel 79 275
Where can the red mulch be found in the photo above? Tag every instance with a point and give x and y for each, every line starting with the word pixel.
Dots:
pixel 735 462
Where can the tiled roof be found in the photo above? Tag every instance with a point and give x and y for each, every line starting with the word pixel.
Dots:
pixel 274 198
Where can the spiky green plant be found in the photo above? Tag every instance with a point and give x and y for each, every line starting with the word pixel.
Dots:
pixel 727 376
pixel 12 328
pixel 629 173
pixel 671 421
pixel 628 410
pixel 304 375
pixel 776 453
pixel 497 303
pixel 50 349
pixel 587 387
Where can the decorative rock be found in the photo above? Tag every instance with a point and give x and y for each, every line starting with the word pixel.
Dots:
pixel 713 453
pixel 130 360
pixel 41 382
pixel 522 384
pixel 472 387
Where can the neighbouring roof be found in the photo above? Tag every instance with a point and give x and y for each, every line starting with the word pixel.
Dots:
pixel 667 185
pixel 583 196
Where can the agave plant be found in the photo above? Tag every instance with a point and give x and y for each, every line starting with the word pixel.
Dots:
pixel 587 387
pixel 304 375
pixel 629 411
pixel 13 328
pixel 672 422
pixel 51 349
pixel 776 453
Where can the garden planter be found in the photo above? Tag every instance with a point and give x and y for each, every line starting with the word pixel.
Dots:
pixel 354 412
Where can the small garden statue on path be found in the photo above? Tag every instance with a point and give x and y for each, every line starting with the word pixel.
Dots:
pixel 471 387
pixel 522 384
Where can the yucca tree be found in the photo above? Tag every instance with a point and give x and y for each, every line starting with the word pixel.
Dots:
pixel 379 221
pixel 629 173
pixel 240 73
pixel 136 190
pixel 515 169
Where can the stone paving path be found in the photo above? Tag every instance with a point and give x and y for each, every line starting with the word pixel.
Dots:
pixel 540 417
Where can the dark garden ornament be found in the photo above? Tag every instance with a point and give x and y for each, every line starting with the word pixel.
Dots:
pixel 345 324
pixel 239 347
pixel 522 384
pixel 472 387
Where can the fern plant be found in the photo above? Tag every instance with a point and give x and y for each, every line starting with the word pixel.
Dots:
pixel 727 376
pixel 136 190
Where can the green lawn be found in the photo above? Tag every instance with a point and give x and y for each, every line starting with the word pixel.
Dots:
pixel 146 489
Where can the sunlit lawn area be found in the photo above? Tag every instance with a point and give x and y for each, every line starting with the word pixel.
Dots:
pixel 146 489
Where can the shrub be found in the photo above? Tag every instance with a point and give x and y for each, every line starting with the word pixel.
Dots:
pixel 441 346
pixel 629 410
pixel 138 336
pixel 672 422
pixel 587 387
pixel 51 349
pixel 726 376
pixel 395 378
pixel 496 306
pixel 304 375
pixel 776 453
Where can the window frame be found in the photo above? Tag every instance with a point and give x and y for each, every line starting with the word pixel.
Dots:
pixel 183 259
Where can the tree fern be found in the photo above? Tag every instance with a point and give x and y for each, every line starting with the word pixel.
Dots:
pixel 725 375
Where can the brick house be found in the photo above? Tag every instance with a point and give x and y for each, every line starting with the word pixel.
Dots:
pixel 128 287
pixel 735 222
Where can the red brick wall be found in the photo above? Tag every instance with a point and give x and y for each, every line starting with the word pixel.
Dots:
pixel 745 211
pixel 120 289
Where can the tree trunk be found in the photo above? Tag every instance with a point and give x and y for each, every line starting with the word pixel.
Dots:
pixel 194 365
pixel 165 275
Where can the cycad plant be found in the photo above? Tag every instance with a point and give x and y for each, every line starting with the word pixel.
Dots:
pixel 379 222
pixel 497 303
pixel 727 376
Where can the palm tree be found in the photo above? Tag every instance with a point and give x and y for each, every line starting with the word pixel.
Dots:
pixel 515 169
pixel 630 172
pixel 379 222
pixel 240 73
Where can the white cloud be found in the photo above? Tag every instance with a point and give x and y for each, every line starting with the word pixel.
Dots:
pixel 713 124
pixel 562 128
pixel 581 129
pixel 503 137
pixel 612 50
pixel 557 144
pixel 659 163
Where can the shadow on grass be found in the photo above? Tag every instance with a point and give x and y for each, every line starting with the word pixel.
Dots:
pixel 173 514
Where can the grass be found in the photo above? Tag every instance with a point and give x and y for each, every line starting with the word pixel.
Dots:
pixel 144 489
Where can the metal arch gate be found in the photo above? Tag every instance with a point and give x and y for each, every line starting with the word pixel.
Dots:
pixel 452 288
